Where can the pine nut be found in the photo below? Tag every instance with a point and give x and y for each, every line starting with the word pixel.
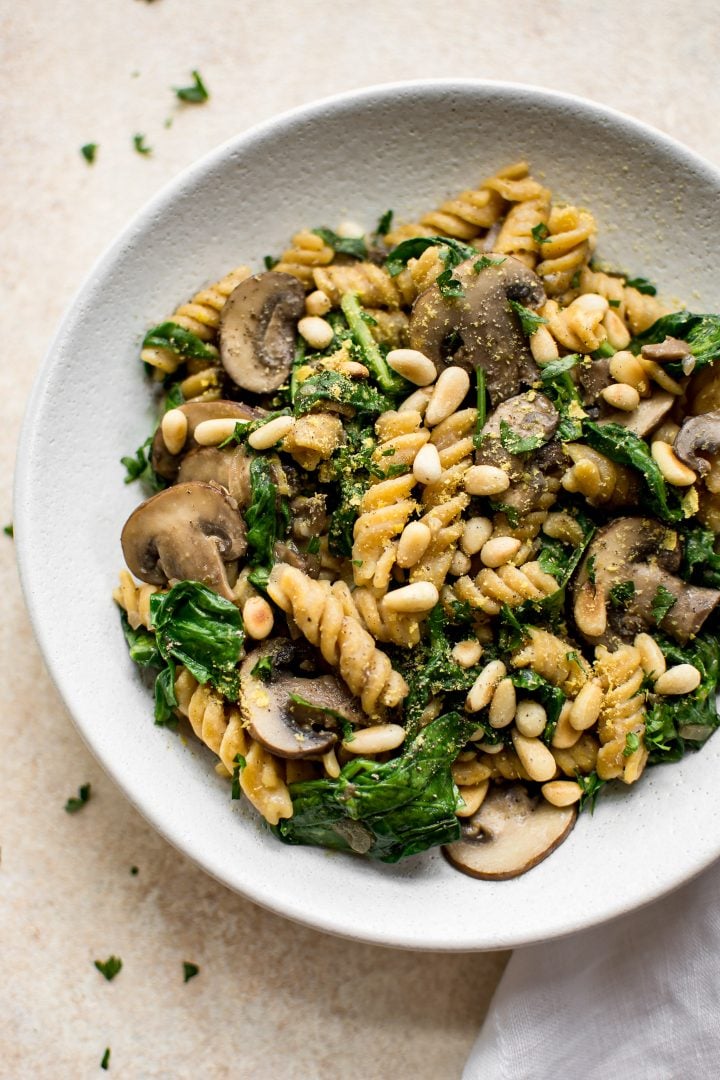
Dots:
pixel 257 617
pixel 375 739
pixel 670 465
pixel 483 688
pixel 535 757
pixel 426 466
pixel 586 706
pixel 560 525
pixel 530 718
pixel 413 544
pixel 626 368
pixel 318 303
pixel 213 432
pixel 317 332
pixel 271 433
pixel 502 706
pixel 652 657
pixel 561 792
pixel 499 550
pixel 667 432
pixel 413 366
pixel 590 611
pixel 486 480
pixel 174 427
pixel 617 332
pixel 488 748
pixel 331 764
pixel 417 597
pixel 473 797
pixel 476 533
pixel 350 230
pixel 449 393
pixel 460 564
pixel 466 654
pixel 417 402
pixel 681 679
pixel 543 346
pixel 565 734
pixel 621 396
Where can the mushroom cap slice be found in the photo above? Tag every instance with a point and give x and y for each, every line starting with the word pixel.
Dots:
pixel 286 726
pixel 229 467
pixel 186 533
pixel 257 330
pixel 698 433
pixel 166 464
pixel 510 833
pixel 527 416
pixel 649 414
pixel 492 337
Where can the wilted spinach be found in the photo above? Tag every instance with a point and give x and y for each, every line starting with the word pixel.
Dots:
pixel 676 724
pixel 701 332
pixel 627 448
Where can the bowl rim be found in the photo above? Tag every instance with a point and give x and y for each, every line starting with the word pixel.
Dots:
pixel 314 110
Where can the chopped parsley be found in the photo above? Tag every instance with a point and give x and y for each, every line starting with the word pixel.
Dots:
pixel 642 285
pixel 189 971
pixel 384 224
pixel 263 669
pixel 105 1063
pixel 76 803
pixel 134 871
pixel 169 335
pixel 140 145
pixel 530 321
pixel 590 569
pixel 9 530
pixel 485 261
pixel 196 94
pixel 621 595
pixel 516 444
pixel 110 967
pixel 455 252
pixel 239 764
pixel 662 602
pixel 450 288
pixel 540 233
pixel 632 743
pixel 590 786
pixel 89 152
pixel 269 261
pixel 354 246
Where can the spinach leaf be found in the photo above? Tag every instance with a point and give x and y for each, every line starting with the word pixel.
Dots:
pixel 372 357
pixel 662 602
pixel 413 248
pixel 265 522
pixel 432 670
pixel 486 260
pixel 559 386
pixel 516 444
pixel 675 724
pixel 550 697
pixel 626 448
pixel 169 335
pixel 386 811
pixel 590 786
pixel 143 649
pixel 530 321
pixel 642 285
pixel 700 560
pixel 138 467
pixel 384 224
pixel 702 333
pixel 334 387
pixel 540 233
pixel 632 743
pixel 450 288
pixel 196 94
pixel 354 246
pixel 350 465
pixel 165 697
pixel 141 644
pixel 562 565
pixel 621 595
pixel 201 630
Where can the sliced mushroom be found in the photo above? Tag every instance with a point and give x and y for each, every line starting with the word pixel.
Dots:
pixel 527 416
pixel 510 833
pixel 187 532
pixel 229 467
pixel 648 554
pixel 489 330
pixel 257 330
pixel 287 727
pixel 669 349
pixel 166 464
pixel 649 414
pixel 698 433
pixel 593 376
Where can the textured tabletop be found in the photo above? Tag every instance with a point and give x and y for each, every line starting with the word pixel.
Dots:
pixel 271 999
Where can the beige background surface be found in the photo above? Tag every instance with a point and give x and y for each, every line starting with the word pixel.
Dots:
pixel 272 999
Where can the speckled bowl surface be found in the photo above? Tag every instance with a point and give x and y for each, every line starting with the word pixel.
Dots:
pixel 403 146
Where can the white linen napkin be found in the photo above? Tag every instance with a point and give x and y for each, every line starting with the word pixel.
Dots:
pixel 635 999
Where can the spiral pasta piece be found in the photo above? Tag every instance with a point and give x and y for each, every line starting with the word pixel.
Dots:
pixel 509 584
pixel 134 599
pixel 516 234
pixel 373 284
pixel 362 604
pixel 637 310
pixel 556 660
pixel 201 317
pixel 622 713
pixel 342 640
pixel 567 248
pixel 580 758
pixel 307 250
pixel 596 477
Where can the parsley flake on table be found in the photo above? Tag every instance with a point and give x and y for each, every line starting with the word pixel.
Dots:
pixel 140 145
pixel 88 151
pixel 189 970
pixel 195 94
pixel 110 967
pixel 105 1063
pixel 9 530
pixel 134 871
pixel 76 803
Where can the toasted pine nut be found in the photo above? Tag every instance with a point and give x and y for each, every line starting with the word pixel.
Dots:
pixel 413 544
pixel 681 679
pixel 562 526
pixel 565 734
pixel 257 617
pixel 318 303
pixel 656 373
pixel 350 230
pixel 213 432
pixel 417 402
pixel 486 480
pixel 417 597
pixel 266 436
pixel 448 394
pixel 652 657
pixel 473 797
pixel 499 550
pixel 460 564
pixel 476 532
pixel 375 739
pixel 670 465
pixel 483 688
pixel 530 718
pixel 561 792
pixel 590 611
pixel 466 654
pixel 174 427
pixel 413 366
pixel 535 757
pixel 586 706
pixel 316 331
pixel 626 368
pixel 543 346
pixel 331 764
pixel 426 466
pixel 502 706
pixel 489 748
pixel 621 396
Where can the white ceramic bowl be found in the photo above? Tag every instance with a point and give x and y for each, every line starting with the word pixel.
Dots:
pixel 404 146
